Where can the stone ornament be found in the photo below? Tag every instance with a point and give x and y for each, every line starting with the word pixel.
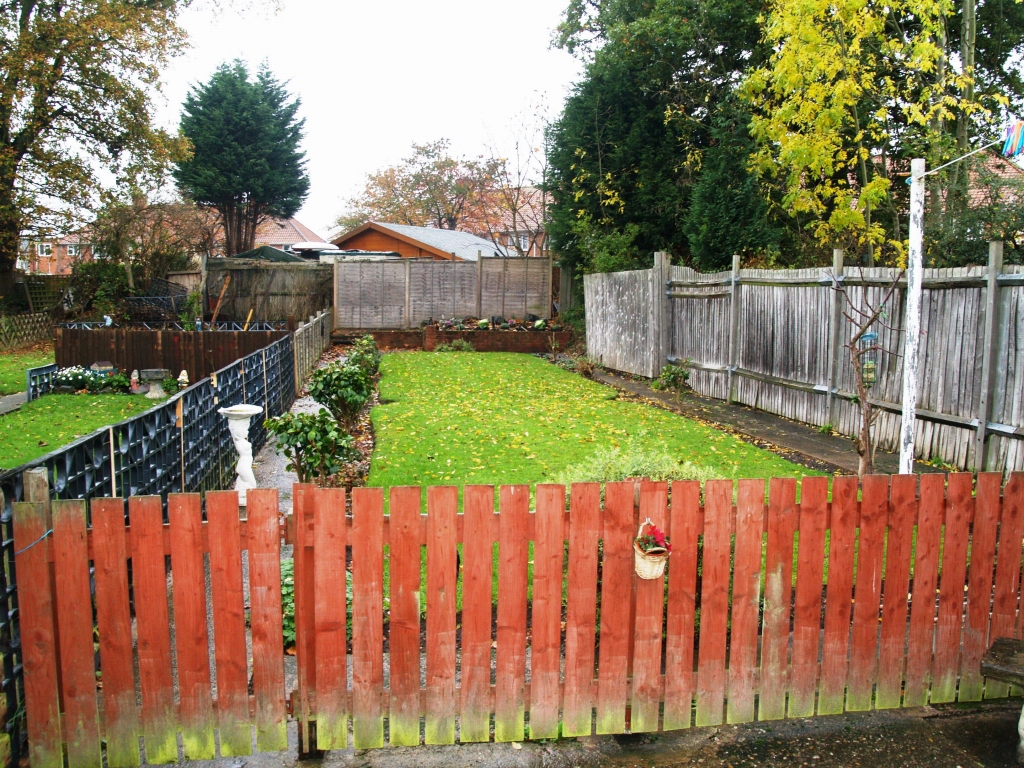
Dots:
pixel 238 417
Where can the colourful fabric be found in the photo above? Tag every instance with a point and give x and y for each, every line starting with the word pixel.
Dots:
pixel 1014 143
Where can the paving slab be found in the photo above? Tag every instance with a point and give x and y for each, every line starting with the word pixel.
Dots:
pixel 13 402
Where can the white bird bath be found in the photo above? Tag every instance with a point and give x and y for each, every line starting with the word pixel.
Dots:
pixel 238 417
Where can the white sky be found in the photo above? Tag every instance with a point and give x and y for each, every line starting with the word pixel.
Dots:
pixel 376 76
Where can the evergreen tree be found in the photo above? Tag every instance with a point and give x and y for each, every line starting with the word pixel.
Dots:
pixel 728 212
pixel 246 160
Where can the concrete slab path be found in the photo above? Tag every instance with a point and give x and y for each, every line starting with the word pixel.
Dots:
pixel 13 402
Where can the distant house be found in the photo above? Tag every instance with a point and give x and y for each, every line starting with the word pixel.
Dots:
pixel 284 233
pixel 522 232
pixel 418 242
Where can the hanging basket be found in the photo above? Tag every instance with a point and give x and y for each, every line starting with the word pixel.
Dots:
pixel 650 564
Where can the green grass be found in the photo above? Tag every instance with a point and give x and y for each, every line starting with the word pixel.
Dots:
pixel 46 424
pixel 494 418
pixel 13 364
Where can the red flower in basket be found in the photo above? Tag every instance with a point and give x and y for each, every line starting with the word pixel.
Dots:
pixel 654 538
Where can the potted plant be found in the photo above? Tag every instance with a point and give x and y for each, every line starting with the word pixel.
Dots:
pixel 650 551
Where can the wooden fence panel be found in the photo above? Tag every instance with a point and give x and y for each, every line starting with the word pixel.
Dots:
pixel 649 624
pixel 746 603
pixel 191 640
pixel 979 585
pixel 1008 566
pixel 685 528
pixel 808 606
pixel 404 626
pixel 931 507
pixel 74 626
pixel 441 582
pixel 367 617
pixel 331 615
pixel 548 559
pixel 477 570
pixel 510 670
pixel 581 609
pixel 778 590
pixel 714 614
pixel 838 596
pixel 955 540
pixel 899 543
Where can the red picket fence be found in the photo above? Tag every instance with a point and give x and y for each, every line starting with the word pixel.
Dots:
pixel 876 595
pixel 66 703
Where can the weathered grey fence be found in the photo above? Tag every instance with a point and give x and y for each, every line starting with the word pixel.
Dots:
pixel 776 340
pixel 310 341
pixel 402 294
pixel 271 291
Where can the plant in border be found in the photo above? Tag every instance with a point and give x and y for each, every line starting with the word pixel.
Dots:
pixel 343 389
pixel 315 444
pixel 288 601
pixel 456 345
pixel 366 354
pixel 674 378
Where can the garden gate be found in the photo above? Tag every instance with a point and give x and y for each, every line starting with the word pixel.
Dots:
pixel 764 614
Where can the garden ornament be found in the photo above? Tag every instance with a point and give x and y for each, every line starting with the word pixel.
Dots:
pixel 155 377
pixel 238 417
pixel 183 379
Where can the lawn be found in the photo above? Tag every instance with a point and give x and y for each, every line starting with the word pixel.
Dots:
pixel 13 364
pixel 44 425
pixel 493 418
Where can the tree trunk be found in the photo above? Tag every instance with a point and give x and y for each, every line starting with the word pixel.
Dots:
pixel 10 234
pixel 863 440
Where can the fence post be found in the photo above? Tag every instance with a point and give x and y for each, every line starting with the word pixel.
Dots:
pixel 995 267
pixel 659 312
pixel 834 342
pixel 734 324
pixel 408 277
pixel 479 284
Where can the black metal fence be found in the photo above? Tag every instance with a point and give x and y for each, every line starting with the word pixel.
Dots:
pixel 182 444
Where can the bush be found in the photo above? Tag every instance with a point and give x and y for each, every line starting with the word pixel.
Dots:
pixel 612 464
pixel 315 445
pixel 366 355
pixel 674 379
pixel 288 601
pixel 458 345
pixel 98 287
pixel 343 389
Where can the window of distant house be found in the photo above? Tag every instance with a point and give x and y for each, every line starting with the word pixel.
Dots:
pixel 74 250
pixel 44 249
pixel 524 242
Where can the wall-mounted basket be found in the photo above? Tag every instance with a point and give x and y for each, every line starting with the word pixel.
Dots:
pixel 649 564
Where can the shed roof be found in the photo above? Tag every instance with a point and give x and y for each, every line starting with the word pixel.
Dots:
pixel 444 242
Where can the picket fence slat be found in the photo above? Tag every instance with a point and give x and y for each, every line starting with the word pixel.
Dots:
pixel 149 575
pixel 867 592
pixel 956 537
pixel 442 504
pixel 650 597
pixel 190 636
pixel 114 625
pixel 229 624
pixel 330 619
pixel 404 628
pixel 778 590
pixel 714 614
pixel 510 668
pixel 267 642
pixel 367 617
pixel 979 584
pixel 1008 568
pixel 807 609
pixel 854 630
pixel 548 561
pixel 74 626
pixel 839 594
pixel 899 542
pixel 746 602
pixel 581 609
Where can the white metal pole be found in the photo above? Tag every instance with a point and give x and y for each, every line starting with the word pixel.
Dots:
pixel 913 322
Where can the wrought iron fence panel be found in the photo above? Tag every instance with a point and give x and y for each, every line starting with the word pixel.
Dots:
pixel 254 392
pixel 200 436
pixel 148 452
pixel 229 392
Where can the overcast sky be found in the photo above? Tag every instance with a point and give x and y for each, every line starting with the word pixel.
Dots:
pixel 376 76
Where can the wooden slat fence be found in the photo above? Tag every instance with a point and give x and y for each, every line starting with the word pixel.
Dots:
pixel 309 342
pixel 766 611
pixel 775 340
pixel 68 706
pixel 403 294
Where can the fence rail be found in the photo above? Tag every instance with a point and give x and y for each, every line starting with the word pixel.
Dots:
pixel 310 341
pixel 777 341
pixel 764 613
pixel 405 293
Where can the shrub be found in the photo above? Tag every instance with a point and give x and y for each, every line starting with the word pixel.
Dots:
pixel 366 355
pixel 314 443
pixel 288 601
pixel 612 464
pixel 343 389
pixel 457 345
pixel 674 379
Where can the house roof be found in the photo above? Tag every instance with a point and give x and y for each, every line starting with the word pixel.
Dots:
pixel 285 232
pixel 441 242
